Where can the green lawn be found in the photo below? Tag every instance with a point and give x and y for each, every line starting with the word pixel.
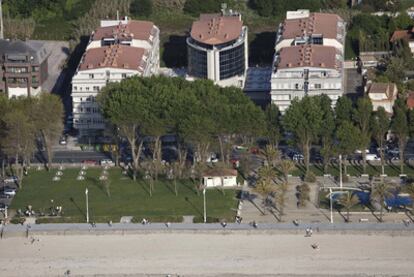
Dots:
pixel 127 198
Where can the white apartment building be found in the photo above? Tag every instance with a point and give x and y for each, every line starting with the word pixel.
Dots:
pixel 309 55
pixel 218 49
pixel 117 50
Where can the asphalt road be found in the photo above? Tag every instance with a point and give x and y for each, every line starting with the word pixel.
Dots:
pixel 73 156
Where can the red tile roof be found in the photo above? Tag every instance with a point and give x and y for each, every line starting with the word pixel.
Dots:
pixel 324 24
pixel 402 34
pixel 216 29
pixel 134 29
pixel 384 88
pixel 114 56
pixel 410 100
pixel 308 56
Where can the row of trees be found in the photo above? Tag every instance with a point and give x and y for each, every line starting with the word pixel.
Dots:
pixel 26 125
pixel 346 128
pixel 200 114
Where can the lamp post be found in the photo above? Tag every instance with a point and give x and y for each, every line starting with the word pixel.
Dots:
pixel 330 200
pixel 205 212
pixel 340 171
pixel 87 206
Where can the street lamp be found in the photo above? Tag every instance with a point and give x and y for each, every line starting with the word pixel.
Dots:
pixel 330 200
pixel 87 206
pixel 340 171
pixel 205 212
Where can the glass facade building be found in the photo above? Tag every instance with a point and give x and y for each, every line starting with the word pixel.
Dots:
pixel 232 62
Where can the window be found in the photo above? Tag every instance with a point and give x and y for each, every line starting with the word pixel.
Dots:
pixel 296 86
pixel 88 110
pixel 124 75
pixel 75 88
pixel 318 86
pixel 87 88
pixel 91 76
pixel 96 88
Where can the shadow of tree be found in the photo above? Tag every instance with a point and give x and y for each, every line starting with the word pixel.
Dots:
pixel 261 49
pixel 175 51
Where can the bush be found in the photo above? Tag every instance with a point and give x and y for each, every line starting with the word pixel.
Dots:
pixel 310 177
pixel 17 220
pixel 158 218
pixel 77 219
pixel 303 194
pixel 141 7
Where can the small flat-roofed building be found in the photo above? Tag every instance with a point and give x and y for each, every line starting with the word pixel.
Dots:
pixel 220 177
pixel 383 95
pixel 217 49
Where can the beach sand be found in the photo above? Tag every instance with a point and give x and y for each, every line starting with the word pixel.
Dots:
pixel 204 254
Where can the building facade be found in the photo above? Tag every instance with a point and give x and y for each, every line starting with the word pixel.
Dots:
pixel 217 49
pixel 309 57
pixel 117 50
pixel 23 67
pixel 383 95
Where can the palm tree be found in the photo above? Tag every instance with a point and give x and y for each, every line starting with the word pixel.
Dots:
pixel 380 192
pixel 286 166
pixel 270 154
pixel 264 188
pixel 348 200
pixel 267 174
pixel 281 197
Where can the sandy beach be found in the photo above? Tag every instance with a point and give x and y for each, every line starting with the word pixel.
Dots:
pixel 215 254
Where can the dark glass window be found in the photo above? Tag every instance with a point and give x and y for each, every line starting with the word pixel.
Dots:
pixel 232 62
pixel 197 63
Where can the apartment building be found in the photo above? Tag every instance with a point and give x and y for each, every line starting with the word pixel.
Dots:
pixel 309 55
pixel 218 49
pixel 117 50
pixel 23 67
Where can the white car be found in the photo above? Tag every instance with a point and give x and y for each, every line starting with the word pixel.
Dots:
pixel 107 162
pixel 360 151
pixel 12 179
pixel 372 157
pixel 9 192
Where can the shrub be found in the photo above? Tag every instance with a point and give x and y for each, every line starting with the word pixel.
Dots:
pixel 17 220
pixel 200 219
pixel 141 7
pixel 158 218
pixel 303 194
pixel 310 177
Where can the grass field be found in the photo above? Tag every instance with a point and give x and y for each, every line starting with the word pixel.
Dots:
pixel 127 198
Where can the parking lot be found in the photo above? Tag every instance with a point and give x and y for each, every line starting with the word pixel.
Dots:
pixel 8 188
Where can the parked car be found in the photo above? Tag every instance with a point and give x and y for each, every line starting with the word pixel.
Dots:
pixel 298 157
pixel 107 162
pixel 394 151
pixel 358 151
pixel 372 157
pixel 212 158
pixel 11 179
pixel 9 192
pixel 62 141
pixel 240 148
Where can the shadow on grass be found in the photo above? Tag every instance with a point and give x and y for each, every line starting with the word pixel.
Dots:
pixel 82 212
pixel 95 182
pixel 193 206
